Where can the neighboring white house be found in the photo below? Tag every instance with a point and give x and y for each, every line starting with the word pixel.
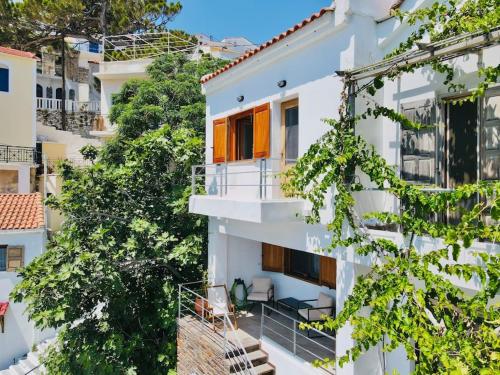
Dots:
pixel 82 92
pixel 228 48
pixel 22 238
pixel 264 110
pixel 17 121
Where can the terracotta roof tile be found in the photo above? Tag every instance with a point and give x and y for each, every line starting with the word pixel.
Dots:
pixel 21 211
pixel 16 52
pixel 274 40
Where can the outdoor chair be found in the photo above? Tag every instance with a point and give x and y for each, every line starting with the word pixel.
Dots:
pixel 261 291
pixel 323 306
pixel 219 304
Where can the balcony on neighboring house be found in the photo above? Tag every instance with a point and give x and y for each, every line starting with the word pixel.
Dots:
pixel 246 342
pixel 248 190
pixel 50 104
pixel 19 154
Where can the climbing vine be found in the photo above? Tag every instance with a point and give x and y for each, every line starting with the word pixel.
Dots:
pixel 409 293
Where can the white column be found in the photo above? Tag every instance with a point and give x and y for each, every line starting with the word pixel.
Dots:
pixel 217 253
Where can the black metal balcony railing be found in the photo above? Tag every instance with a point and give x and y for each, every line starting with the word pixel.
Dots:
pixel 19 154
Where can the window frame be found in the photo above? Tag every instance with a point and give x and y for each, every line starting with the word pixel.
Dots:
pixel 281 254
pixel 262 123
pixel 6 263
pixel 6 65
pixel 289 104
pixel 233 154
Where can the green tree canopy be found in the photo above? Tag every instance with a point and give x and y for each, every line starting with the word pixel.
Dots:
pixel 30 24
pixel 108 279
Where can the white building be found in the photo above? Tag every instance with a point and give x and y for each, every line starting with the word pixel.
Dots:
pixel 266 109
pixel 82 92
pixel 17 122
pixel 22 238
pixel 229 48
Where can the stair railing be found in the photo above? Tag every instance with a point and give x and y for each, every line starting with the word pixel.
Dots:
pixel 232 349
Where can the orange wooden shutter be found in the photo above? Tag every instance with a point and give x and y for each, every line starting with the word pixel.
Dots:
pixel 220 140
pixel 272 258
pixel 261 131
pixel 328 271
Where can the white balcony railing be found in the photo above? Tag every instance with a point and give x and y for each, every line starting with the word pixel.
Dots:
pixel 71 105
pixel 253 179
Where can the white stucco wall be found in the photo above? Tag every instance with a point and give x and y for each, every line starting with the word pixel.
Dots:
pixel 20 334
pixel 307 60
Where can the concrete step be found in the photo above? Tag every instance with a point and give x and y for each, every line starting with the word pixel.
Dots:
pixel 257 357
pixel 241 337
pixel 265 369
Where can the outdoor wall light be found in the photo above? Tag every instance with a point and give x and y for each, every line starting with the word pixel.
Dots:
pixel 282 83
pixel 240 98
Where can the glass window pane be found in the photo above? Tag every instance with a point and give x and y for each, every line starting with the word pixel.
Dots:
pixel 291 134
pixel 3 258
pixel 4 79
pixel 244 129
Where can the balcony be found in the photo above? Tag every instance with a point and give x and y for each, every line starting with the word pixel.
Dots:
pixel 49 104
pixel 19 154
pixel 261 342
pixel 246 190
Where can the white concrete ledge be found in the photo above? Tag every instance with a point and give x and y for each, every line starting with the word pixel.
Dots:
pixel 255 211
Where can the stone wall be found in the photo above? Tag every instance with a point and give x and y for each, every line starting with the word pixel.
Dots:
pixel 199 349
pixel 77 122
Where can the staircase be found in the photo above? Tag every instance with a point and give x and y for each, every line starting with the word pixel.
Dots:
pixel 30 363
pixel 258 357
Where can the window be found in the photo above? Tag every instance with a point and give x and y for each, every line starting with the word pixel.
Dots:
pixel 290 131
pixel 71 94
pixel 59 93
pixel 39 91
pixel 242 145
pixel 3 258
pixel 464 150
pixel 93 47
pixel 243 136
pixel 310 267
pixel 48 92
pixel 302 264
pixel 418 147
pixel 4 78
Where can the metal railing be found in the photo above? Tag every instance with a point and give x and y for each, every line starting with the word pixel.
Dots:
pixel 19 154
pixel 231 348
pixel 71 105
pixel 285 331
pixel 218 178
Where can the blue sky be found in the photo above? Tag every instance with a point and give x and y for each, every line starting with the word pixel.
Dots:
pixel 257 20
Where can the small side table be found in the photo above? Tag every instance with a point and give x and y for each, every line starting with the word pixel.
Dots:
pixel 292 304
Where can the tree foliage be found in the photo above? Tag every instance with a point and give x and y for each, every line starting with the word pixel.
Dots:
pixel 411 299
pixel 171 96
pixel 109 278
pixel 30 24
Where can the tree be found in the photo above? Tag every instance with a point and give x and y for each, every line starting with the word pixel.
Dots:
pixel 109 278
pixel 411 300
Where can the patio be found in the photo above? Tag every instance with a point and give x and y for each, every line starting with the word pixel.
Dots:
pixel 282 328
